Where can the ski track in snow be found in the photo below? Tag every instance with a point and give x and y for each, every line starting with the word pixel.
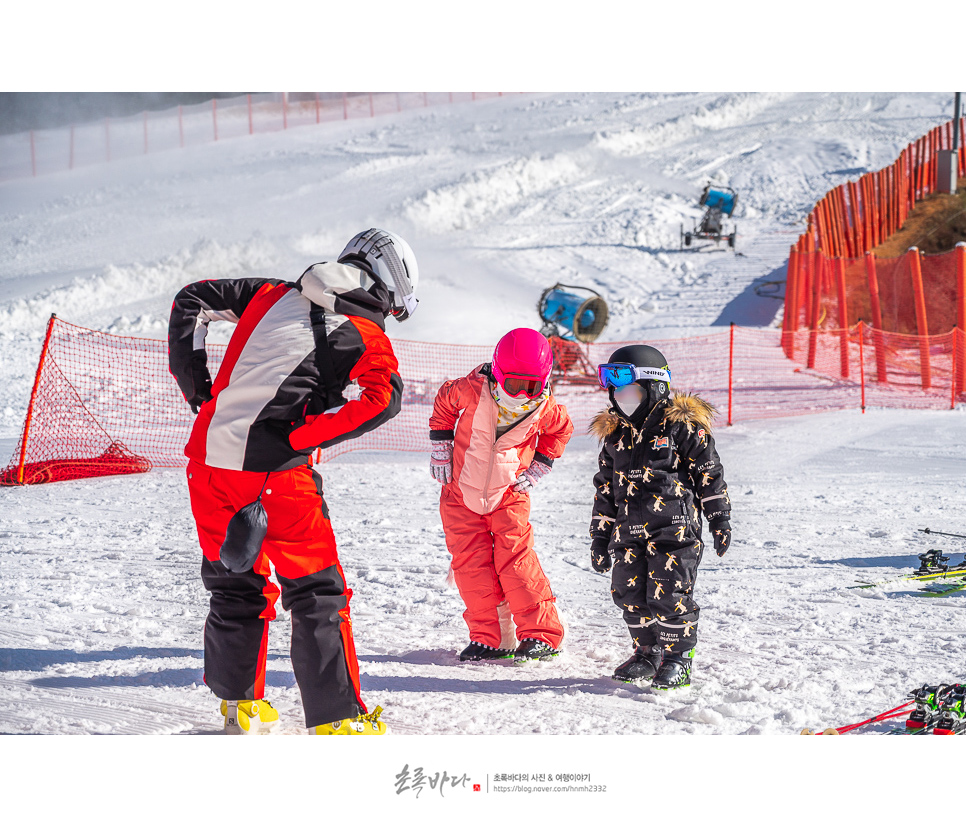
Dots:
pixel 101 602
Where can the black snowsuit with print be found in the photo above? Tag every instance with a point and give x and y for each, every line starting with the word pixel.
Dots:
pixel 653 481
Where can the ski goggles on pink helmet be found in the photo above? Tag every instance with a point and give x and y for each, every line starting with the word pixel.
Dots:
pixel 522 362
pixel 619 374
pixel 518 387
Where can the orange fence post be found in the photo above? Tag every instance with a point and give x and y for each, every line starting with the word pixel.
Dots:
pixel 33 398
pixel 875 220
pixel 731 371
pixel 888 197
pixel 866 213
pixel 872 212
pixel 922 326
pixel 961 285
pixel 960 315
pixel 843 318
pixel 959 362
pixel 823 224
pixel 862 362
pixel 802 289
pixel 835 216
pixel 880 357
pixel 855 231
pixel 819 261
pixel 917 169
pixel 790 318
pixel 845 230
pixel 955 368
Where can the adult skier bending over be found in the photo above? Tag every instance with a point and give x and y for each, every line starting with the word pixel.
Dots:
pixel 278 397
pixel 658 469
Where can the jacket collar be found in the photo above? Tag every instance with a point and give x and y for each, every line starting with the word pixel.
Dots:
pixel 345 290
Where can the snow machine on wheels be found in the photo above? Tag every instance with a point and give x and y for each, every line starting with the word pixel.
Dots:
pixel 719 202
pixel 572 317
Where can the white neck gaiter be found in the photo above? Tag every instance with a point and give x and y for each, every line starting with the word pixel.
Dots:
pixel 511 410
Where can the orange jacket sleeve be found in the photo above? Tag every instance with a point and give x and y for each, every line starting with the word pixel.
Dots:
pixel 451 399
pixel 377 373
pixel 555 432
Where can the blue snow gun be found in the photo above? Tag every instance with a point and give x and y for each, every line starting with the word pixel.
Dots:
pixel 719 202
pixel 575 316
pixel 724 201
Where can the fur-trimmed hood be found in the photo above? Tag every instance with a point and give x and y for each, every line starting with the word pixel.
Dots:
pixel 689 409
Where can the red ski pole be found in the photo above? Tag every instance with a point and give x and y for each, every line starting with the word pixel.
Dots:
pixel 895 712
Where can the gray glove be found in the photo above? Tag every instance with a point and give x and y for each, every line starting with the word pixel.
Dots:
pixel 441 461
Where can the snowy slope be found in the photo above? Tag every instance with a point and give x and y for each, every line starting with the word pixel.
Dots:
pixel 102 609
pixel 501 198
pixel 101 605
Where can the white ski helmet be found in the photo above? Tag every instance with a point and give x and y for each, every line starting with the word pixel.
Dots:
pixel 391 259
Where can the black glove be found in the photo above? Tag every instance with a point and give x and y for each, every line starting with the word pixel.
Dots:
pixel 196 402
pixel 201 378
pixel 600 558
pixel 721 531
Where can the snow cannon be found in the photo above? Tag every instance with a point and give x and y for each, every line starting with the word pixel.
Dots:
pixel 719 198
pixel 719 201
pixel 572 317
pixel 576 314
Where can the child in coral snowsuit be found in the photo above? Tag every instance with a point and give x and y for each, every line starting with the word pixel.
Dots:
pixel 495 433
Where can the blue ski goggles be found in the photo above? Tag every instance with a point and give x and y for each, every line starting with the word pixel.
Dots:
pixel 619 374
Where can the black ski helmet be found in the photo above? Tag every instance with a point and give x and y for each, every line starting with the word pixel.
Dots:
pixel 655 390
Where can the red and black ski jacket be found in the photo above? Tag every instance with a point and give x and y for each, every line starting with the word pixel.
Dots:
pixel 281 390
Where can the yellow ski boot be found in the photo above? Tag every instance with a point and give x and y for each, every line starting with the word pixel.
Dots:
pixel 363 725
pixel 241 717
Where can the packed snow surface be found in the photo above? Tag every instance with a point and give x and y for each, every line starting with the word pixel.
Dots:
pixel 102 606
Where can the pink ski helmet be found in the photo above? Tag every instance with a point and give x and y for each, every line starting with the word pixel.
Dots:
pixel 522 362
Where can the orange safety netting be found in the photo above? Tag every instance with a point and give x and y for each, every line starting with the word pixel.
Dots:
pixel 835 281
pixel 912 294
pixel 40 152
pixel 856 217
pixel 105 404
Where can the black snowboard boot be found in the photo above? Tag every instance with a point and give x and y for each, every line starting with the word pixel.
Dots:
pixel 675 671
pixel 480 651
pixel 642 666
pixel 531 649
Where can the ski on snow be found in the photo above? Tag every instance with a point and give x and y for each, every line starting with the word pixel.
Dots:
pixel 937 710
pixel 933 566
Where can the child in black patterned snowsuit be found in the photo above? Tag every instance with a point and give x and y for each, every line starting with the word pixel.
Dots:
pixel 658 469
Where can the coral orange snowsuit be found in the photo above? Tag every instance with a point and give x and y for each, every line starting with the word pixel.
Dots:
pixel 486 523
